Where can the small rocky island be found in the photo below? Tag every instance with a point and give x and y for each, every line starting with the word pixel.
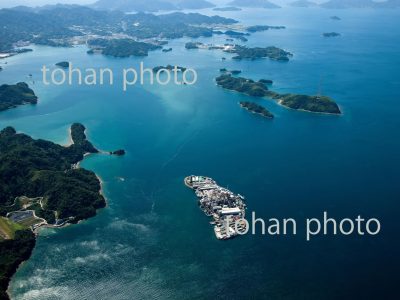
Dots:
pixel 119 152
pixel 266 81
pixel 257 109
pixel 316 104
pixel 330 34
pixel 168 68
pixel 233 72
pixel 63 64
pixel 41 184
pixel 15 95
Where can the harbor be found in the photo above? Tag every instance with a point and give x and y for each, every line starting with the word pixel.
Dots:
pixel 224 207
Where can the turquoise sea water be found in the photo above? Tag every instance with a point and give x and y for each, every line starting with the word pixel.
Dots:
pixel 152 241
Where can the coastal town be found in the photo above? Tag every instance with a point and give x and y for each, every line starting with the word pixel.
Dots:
pixel 225 207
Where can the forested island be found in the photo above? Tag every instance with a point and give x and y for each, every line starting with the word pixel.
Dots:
pixel 257 109
pixel 15 95
pixel 272 52
pixel 121 47
pixel 316 104
pixel 41 184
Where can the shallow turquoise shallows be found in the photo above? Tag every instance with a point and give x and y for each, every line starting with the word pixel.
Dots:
pixel 153 242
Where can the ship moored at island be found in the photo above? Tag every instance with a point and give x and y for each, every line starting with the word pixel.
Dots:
pixel 226 208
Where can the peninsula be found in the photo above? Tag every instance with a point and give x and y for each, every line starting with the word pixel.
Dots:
pixel 41 184
pixel 15 95
pixel 315 104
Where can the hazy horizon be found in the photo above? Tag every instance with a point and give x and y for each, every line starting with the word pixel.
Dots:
pixel 34 3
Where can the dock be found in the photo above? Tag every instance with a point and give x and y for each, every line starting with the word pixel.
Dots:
pixel 223 206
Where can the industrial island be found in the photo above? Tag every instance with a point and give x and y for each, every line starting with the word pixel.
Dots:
pixel 225 207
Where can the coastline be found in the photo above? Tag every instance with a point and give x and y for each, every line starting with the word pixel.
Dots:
pixel 255 113
pixel 36 231
pixel 70 141
pixel 279 102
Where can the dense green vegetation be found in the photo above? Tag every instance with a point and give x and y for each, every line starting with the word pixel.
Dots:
pixel 257 109
pixel 81 144
pixel 14 95
pixel 12 253
pixel 318 104
pixel 39 168
pixel 243 85
pixel 122 47
pixel 258 52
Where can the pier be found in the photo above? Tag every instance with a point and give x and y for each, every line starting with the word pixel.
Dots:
pixel 222 205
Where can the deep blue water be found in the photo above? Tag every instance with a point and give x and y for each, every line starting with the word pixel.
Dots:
pixel 152 241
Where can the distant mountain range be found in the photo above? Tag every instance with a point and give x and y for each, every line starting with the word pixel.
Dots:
pixel 341 4
pixel 151 6
pixel 253 3
pixel 303 3
pixel 348 4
